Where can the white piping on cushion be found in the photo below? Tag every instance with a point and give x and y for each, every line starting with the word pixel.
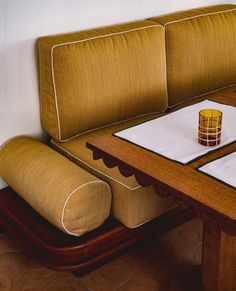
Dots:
pixel 165 56
pixel 105 126
pixel 189 18
pixel 163 212
pixel 201 15
pixel 10 139
pixel 192 98
pixel 81 41
pixel 96 170
pixel 69 196
pixel 106 35
pixel 55 96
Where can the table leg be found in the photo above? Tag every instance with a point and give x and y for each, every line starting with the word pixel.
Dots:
pixel 219 258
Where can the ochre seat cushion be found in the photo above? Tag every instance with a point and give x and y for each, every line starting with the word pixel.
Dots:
pixel 132 204
pixel 94 78
pixel 200 51
pixel 66 195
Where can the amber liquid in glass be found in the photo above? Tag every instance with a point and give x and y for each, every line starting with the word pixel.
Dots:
pixel 210 126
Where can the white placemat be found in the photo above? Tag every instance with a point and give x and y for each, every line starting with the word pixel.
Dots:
pixel 223 169
pixel 175 135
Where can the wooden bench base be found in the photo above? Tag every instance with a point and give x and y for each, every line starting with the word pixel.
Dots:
pixel 62 252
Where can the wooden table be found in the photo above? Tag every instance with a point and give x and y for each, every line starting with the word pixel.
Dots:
pixel 214 201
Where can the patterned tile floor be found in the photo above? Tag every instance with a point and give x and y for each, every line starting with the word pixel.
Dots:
pixel 144 269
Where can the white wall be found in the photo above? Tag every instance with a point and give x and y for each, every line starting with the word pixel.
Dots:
pixel 23 21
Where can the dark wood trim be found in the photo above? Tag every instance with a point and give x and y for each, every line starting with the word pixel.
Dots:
pixel 60 251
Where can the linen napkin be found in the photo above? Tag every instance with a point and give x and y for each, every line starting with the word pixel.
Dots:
pixel 175 135
pixel 223 169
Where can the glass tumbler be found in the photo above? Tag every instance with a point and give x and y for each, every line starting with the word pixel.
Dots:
pixel 209 127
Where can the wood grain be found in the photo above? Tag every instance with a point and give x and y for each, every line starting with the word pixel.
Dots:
pixel 214 201
pixel 172 178
pixel 219 258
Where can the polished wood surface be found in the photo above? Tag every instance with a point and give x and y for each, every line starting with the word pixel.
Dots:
pixel 167 176
pixel 63 252
pixel 214 201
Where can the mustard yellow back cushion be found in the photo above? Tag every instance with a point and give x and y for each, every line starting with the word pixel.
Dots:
pixel 94 78
pixel 201 51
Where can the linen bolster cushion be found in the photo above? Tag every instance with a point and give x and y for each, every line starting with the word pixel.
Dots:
pixel 67 196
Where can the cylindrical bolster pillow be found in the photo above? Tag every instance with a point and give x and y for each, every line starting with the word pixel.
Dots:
pixel 66 195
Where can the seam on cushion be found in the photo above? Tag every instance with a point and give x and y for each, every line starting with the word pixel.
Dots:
pixel 81 41
pixel 10 139
pixel 188 18
pixel 95 168
pixel 105 126
pixel 106 35
pixel 69 196
pixel 201 15
pixel 165 56
pixel 163 212
pixel 209 92
pixel 55 98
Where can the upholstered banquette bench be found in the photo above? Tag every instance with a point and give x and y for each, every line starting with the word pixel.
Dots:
pixel 79 213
